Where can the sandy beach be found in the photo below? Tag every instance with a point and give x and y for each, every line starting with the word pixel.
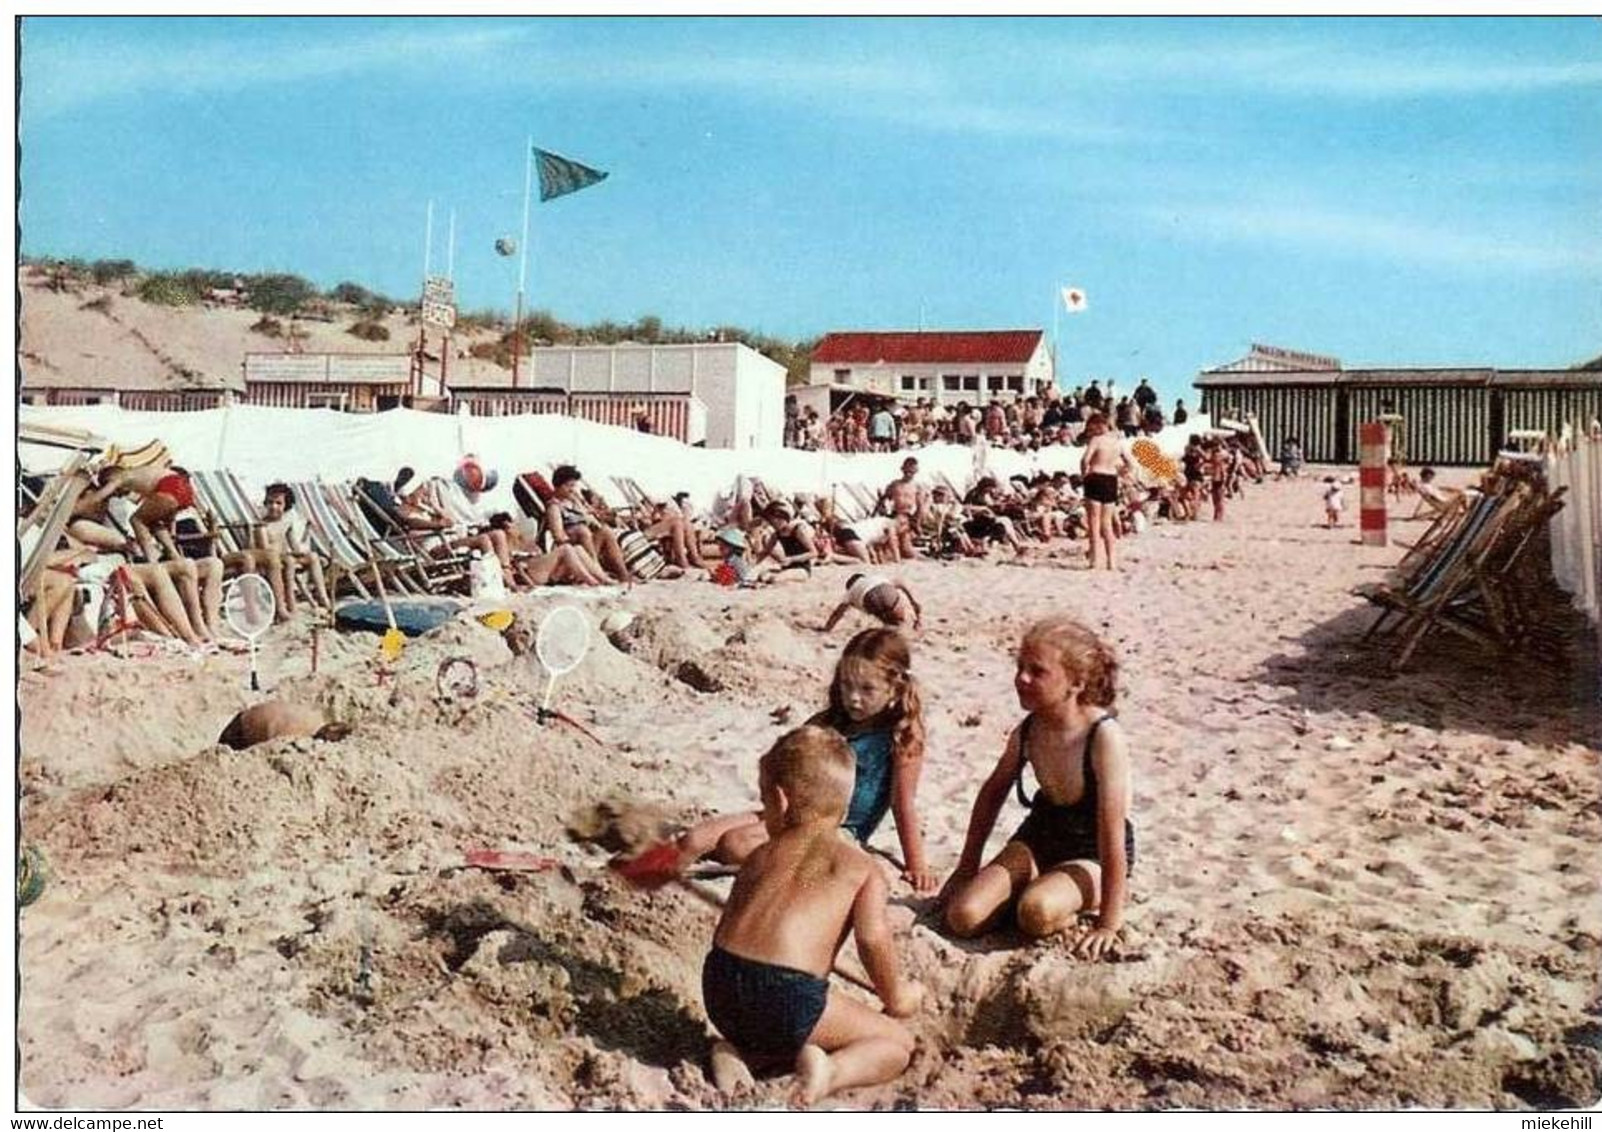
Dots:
pixel 1354 890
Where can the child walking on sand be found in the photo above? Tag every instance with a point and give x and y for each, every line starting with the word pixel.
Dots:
pixel 1333 503
pixel 876 707
pixel 765 981
pixel 877 596
pixel 1074 851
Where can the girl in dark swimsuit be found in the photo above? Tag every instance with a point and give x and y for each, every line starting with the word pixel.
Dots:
pixel 1074 851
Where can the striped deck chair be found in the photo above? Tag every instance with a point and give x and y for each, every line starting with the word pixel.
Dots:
pixel 395 565
pixel 846 507
pixel 1440 529
pixel 638 499
pixel 870 499
pixel 1422 599
pixel 431 561
pixel 235 526
pixel 244 506
pixel 51 515
pixel 530 490
pixel 1503 598
pixel 330 539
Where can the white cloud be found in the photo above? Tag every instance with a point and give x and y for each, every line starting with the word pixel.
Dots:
pixel 1367 235
pixel 908 91
pixel 62 76
pixel 1320 67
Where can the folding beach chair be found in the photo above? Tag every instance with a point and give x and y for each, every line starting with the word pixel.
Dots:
pixel 1507 592
pixel 433 562
pixel 399 567
pixel 330 539
pixel 1422 599
pixel 234 527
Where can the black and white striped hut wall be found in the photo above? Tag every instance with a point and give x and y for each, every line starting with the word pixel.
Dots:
pixel 1458 416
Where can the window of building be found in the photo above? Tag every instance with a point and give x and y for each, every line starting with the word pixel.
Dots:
pixel 970 382
pixel 993 383
pixel 908 383
pixel 326 400
pixel 923 385
pixel 1015 382
pixel 842 377
pixel 951 382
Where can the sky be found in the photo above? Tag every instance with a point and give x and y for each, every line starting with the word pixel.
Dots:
pixel 1422 191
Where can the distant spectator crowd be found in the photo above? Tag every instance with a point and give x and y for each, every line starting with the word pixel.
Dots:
pixel 1024 423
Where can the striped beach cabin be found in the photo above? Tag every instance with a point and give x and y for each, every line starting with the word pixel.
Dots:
pixel 1459 416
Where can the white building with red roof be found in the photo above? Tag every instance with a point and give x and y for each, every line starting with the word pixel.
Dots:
pixel 944 366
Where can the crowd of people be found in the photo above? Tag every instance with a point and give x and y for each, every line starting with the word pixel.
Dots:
pixel 1023 423
pixel 145 533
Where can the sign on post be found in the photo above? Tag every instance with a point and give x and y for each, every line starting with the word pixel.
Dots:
pixel 439 302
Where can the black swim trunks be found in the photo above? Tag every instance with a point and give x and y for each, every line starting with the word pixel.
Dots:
pixel 1101 487
pixel 1054 834
pixel 763 1008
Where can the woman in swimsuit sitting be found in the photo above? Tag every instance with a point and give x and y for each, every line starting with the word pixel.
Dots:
pixel 794 545
pixel 568 519
pixel 1104 458
pixel 1074 851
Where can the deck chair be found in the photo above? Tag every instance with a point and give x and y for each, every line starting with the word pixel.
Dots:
pixel 531 491
pixel 846 508
pixel 1421 601
pixel 329 538
pixel 433 562
pixel 244 516
pixel 50 516
pixel 235 527
pixel 1440 529
pixel 394 565
pixel 1505 595
pixel 617 501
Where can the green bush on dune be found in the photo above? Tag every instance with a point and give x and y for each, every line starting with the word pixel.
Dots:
pixel 167 290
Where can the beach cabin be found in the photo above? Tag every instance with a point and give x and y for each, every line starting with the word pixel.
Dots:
pixel 356 383
pixel 136 400
pixel 943 366
pixel 1451 416
pixel 717 394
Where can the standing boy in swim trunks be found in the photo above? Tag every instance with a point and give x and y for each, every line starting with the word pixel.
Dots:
pixel 877 596
pixel 765 981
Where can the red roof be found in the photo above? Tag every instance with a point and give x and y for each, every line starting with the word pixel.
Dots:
pixel 927 347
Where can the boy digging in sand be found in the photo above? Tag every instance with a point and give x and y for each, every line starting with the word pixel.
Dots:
pixel 877 596
pixel 765 981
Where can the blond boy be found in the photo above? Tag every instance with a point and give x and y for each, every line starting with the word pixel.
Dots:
pixel 765 981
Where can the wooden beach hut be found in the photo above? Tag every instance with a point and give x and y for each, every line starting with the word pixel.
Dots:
pixel 1456 416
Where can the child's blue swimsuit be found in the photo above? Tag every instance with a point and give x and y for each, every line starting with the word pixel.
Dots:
pixel 1053 833
pixel 870 796
pixel 762 1008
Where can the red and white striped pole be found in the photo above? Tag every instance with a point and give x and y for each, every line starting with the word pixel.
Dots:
pixel 1374 452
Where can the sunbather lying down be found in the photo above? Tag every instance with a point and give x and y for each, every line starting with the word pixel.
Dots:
pixel 276 719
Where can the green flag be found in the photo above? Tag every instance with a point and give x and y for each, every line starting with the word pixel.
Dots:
pixel 559 176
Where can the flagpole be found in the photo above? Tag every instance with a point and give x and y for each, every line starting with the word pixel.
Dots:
pixel 522 259
pixel 1056 301
pixel 422 327
pixel 450 273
